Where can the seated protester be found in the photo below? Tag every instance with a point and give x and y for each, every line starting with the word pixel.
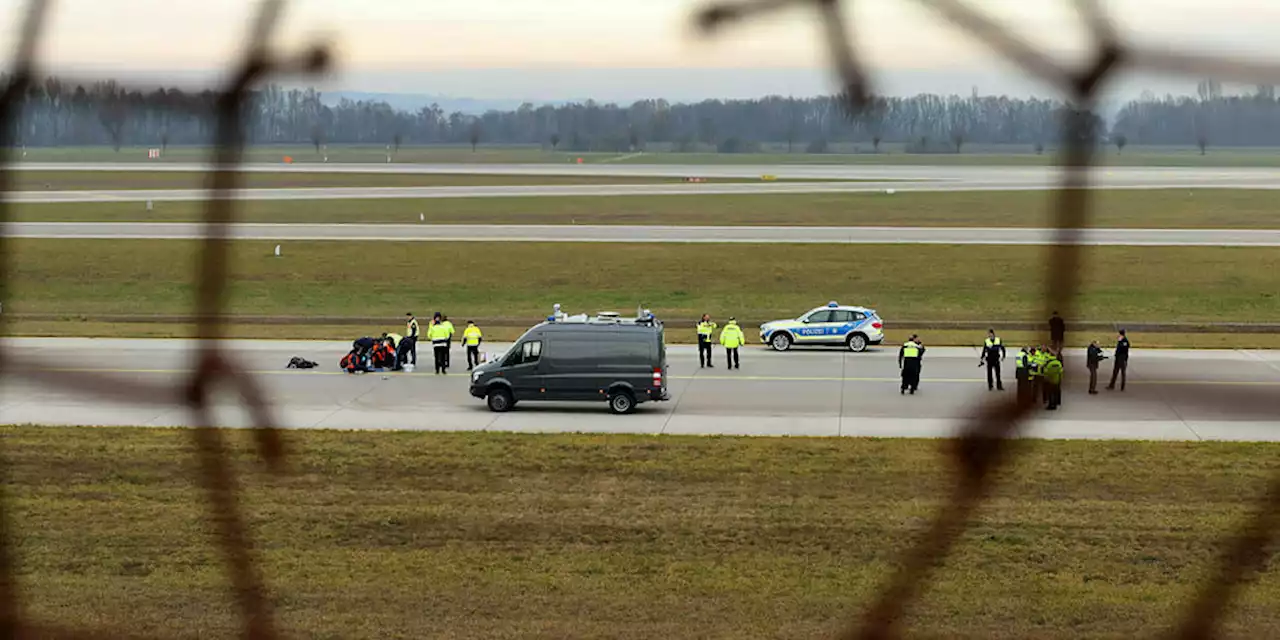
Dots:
pixel 353 362
pixel 383 355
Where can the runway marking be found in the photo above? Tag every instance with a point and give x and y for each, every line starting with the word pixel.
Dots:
pixel 748 378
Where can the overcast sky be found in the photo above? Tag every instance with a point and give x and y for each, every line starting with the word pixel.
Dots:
pixel 614 49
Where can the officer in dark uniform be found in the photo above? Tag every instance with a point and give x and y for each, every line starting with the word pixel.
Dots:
pixel 1057 333
pixel 1121 360
pixel 992 353
pixel 909 357
pixel 1093 358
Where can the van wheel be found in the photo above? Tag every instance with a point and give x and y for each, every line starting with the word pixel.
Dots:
pixel 621 402
pixel 780 341
pixel 857 343
pixel 500 400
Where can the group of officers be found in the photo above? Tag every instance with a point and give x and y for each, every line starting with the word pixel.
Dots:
pixel 731 338
pixel 1038 368
pixel 395 352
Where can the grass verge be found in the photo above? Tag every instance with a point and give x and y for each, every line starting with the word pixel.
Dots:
pixel 674 334
pixel 409 535
pixel 1173 208
pixel 514 279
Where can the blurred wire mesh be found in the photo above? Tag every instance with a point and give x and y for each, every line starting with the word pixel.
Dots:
pixel 979 452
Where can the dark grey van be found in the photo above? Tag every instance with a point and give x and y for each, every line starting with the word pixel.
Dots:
pixel 606 358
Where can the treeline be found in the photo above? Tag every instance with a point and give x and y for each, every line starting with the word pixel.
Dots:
pixel 107 113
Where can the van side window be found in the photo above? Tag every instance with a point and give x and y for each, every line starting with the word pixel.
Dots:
pixel 531 351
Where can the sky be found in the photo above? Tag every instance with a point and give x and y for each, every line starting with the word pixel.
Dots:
pixel 617 50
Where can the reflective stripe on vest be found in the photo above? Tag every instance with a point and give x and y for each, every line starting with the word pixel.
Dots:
pixel 1021 362
pixel 910 350
pixel 705 329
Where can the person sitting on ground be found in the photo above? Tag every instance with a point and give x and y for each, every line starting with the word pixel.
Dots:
pixel 353 362
pixel 383 355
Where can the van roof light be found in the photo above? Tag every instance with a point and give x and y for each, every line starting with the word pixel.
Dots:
pixel 832 304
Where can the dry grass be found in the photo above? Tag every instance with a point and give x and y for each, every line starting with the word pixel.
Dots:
pixel 484 535
pixel 675 280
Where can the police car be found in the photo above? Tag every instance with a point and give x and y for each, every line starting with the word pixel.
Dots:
pixel 834 324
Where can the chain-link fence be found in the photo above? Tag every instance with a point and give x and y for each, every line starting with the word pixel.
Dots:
pixel 979 452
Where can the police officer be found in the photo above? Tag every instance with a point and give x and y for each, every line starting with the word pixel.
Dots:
pixel 909 357
pixel 731 337
pixel 444 320
pixel 1053 381
pixel 1034 371
pixel 1121 363
pixel 1057 332
pixel 992 353
pixel 1022 373
pixel 1093 358
pixel 410 341
pixel 439 337
pixel 471 338
pixel 1043 355
pixel 397 348
pixel 705 330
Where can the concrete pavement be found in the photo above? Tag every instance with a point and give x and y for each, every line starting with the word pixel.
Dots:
pixel 1172 395
pixel 661 234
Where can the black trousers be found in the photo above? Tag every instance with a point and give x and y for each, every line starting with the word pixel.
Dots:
pixel 731 358
pixel 704 352
pixel 1024 383
pixel 993 375
pixel 1093 379
pixel 409 344
pixel 473 355
pixel 442 356
pixel 910 374
pixel 1121 369
pixel 1054 391
pixel 448 346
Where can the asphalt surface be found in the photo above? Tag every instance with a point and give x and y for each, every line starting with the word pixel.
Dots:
pixel 663 234
pixel 1172 395
pixel 874 179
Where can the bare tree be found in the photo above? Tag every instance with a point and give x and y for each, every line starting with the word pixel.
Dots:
pixel 1039 148
pixel 555 141
pixel 317 136
pixel 875 143
pixel 474 135
pixel 957 139
pixel 1202 141
pixel 396 141
pixel 1120 140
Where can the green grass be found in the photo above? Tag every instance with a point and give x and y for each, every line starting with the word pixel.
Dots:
pixel 897 333
pixel 754 282
pixel 489 535
pixel 1173 208
pixel 125 180
pixel 1002 155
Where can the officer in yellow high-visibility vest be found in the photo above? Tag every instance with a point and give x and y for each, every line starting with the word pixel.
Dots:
pixel 438 334
pixel 442 319
pixel 732 338
pixel 706 329
pixel 411 334
pixel 1022 363
pixel 909 357
pixel 1041 360
pixel 471 338
pixel 1053 381
pixel 992 354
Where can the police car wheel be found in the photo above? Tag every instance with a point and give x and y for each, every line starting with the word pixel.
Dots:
pixel 780 341
pixel 500 400
pixel 857 343
pixel 621 402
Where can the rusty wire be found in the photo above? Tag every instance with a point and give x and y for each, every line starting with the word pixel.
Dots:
pixel 212 367
pixel 979 452
pixel 982 446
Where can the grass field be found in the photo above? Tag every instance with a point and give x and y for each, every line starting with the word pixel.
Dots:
pixel 488 535
pixel 675 334
pixel 125 180
pixel 675 280
pixel 1222 209
pixel 1004 155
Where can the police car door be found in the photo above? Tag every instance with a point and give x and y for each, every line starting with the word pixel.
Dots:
pixel 815 327
pixel 842 322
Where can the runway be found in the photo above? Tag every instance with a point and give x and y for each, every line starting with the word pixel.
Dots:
pixel 651 234
pixel 903 179
pixel 1172 395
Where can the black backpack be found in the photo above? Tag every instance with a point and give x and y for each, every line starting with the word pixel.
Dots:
pixel 301 363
